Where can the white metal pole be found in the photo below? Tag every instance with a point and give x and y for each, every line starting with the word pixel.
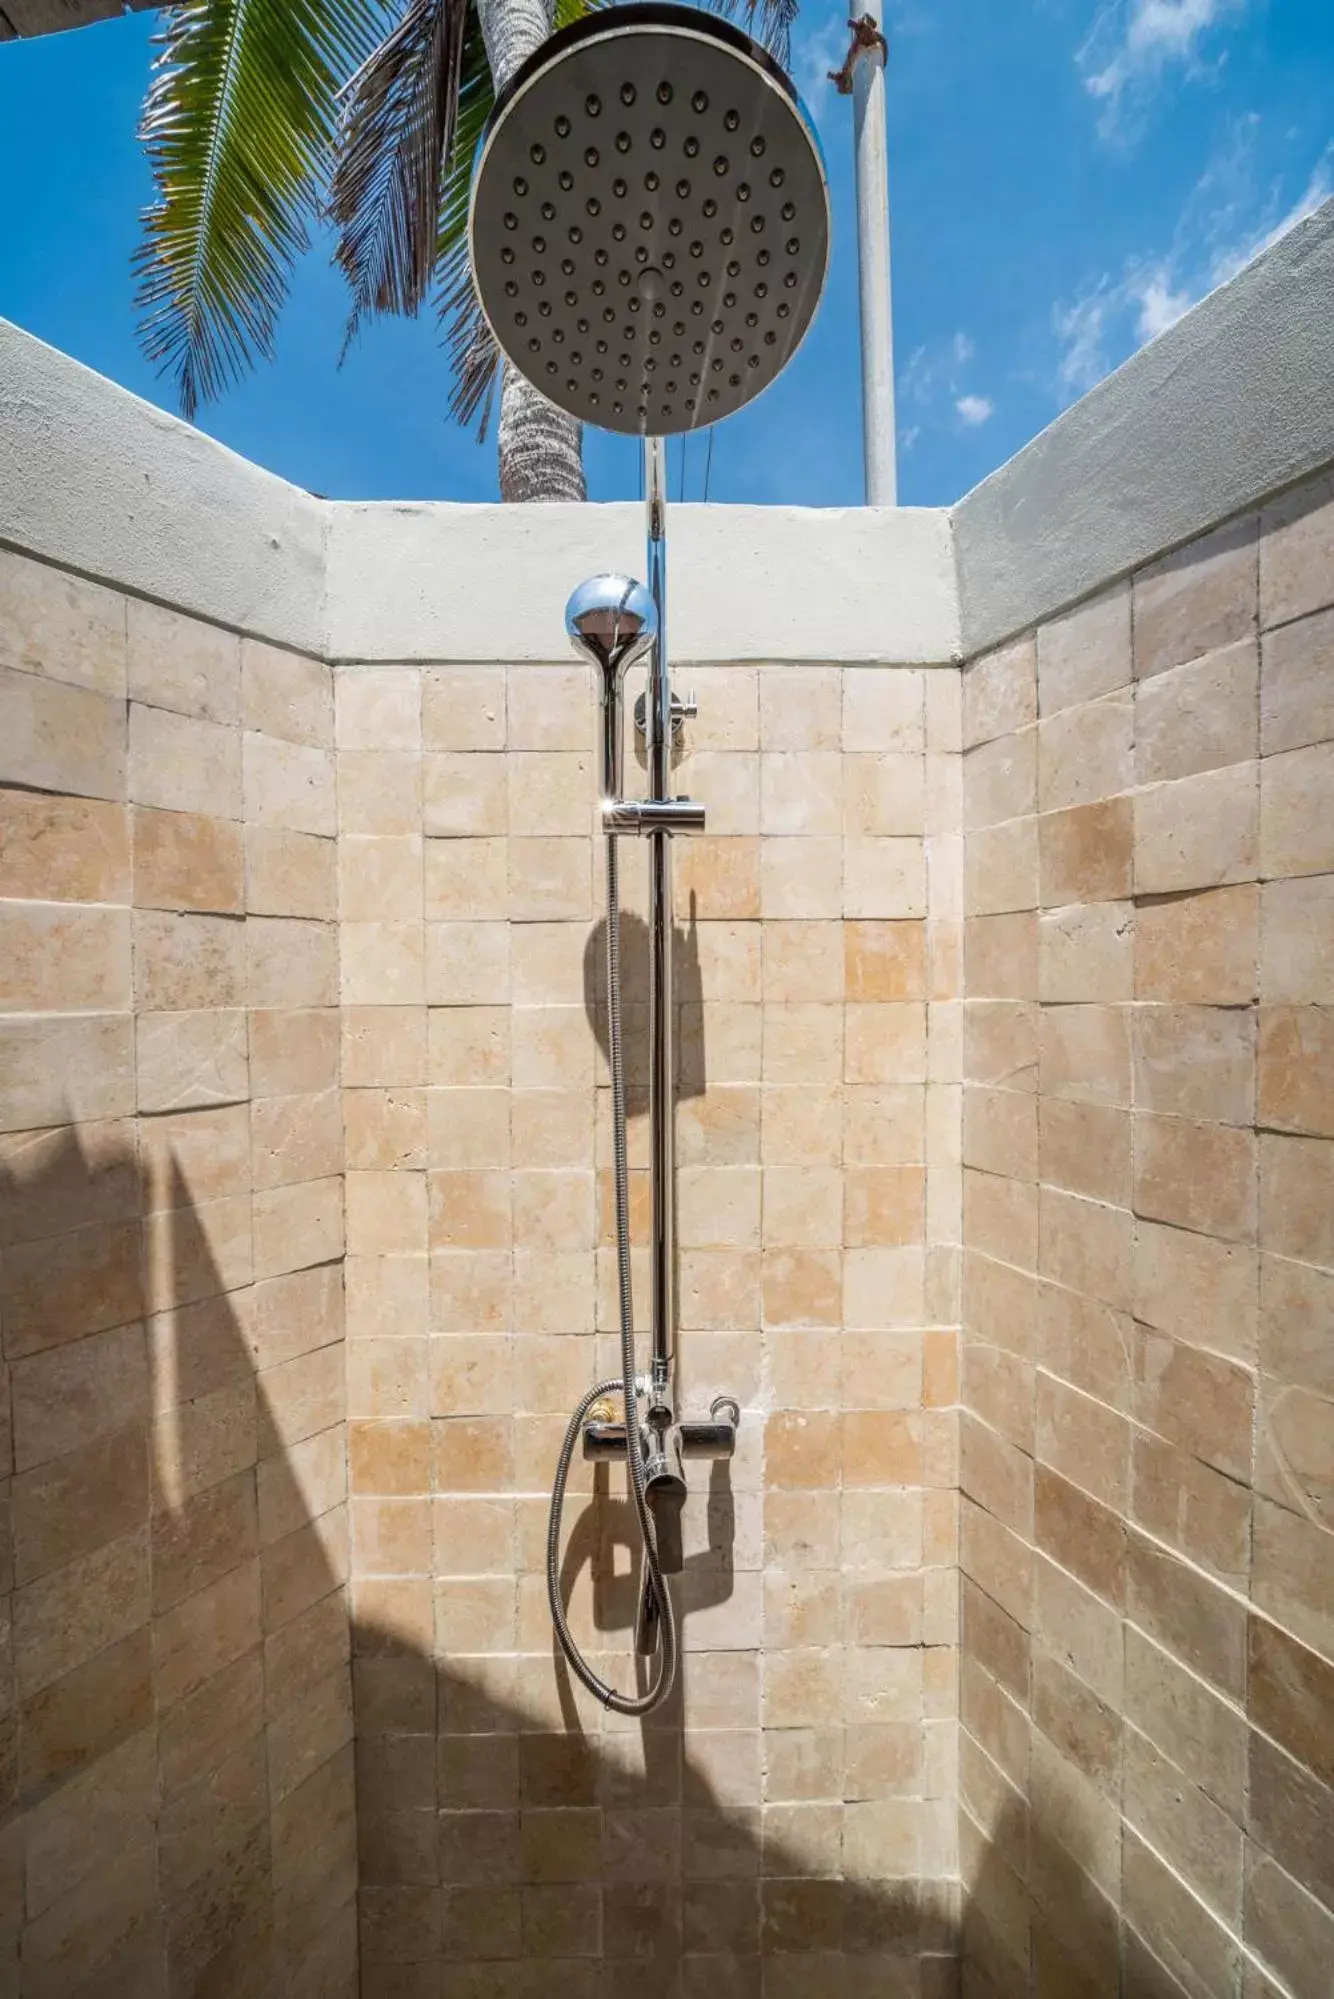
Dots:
pixel 877 329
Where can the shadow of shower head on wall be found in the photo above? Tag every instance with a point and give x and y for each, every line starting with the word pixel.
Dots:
pixel 649 224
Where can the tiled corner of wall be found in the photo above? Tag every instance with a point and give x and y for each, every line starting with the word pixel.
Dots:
pixel 1147 1678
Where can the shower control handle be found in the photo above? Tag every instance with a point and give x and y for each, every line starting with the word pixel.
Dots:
pixel 652 815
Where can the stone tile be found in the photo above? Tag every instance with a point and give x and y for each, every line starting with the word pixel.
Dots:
pixel 1191 1508
pixel 1198 598
pixel 61 626
pixel 1297 952
pixel 184 962
pixel 180 762
pixel 1085 1148
pixel 884 708
pixel 1195 1062
pixel 1084 1054
pixel 1001 868
pixel 1296 670
pixel 59 738
pixel 1085 652
pixel 1291 1696
pixel 463 707
pixel 286 694
pixel 1196 1175
pixel 1296 1069
pixel 1086 753
pixel 381 791
pixel 378 708
pixel 1296 1189
pixel 76 1393
pixel 63 1619
pixel 1078 1630
pixel 1000 780
pixel 1294 1303
pixel 1198 717
pixel 1188 1284
pixel 1296 552
pixel 56 1068
pixel 290 963
pixel 64 957
pixel 1295 835
pixel 1201 1733
pixel 883 796
pixel 1200 948
pixel 1000 692
pixel 181 663
pixel 1197 1400
pixel 1288 1928
pixel 289 786
pixel 1292 1576
pixel 63 849
pixel 1292 1817
pixel 1001 956
pixel 192 1059
pixel 1176 1817
pixel 1085 952
pixel 73 1723
pixel 801 792
pixel 1086 853
pixel 801 708
pixel 184 861
pixel 1198 832
pixel 290 874
pixel 1201 1625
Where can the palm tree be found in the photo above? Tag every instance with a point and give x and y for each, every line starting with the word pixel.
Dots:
pixel 265 116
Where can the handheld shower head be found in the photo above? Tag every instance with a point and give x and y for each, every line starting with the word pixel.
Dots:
pixel 611 620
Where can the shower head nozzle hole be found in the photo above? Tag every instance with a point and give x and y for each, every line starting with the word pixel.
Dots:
pixel 592 105
pixel 699 103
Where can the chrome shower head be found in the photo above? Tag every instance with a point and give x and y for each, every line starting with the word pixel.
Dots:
pixel 612 621
pixel 649 220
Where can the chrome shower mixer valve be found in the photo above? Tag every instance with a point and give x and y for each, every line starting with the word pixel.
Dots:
pixel 649 234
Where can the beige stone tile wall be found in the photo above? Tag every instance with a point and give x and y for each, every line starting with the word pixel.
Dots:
pixel 177 1764
pixel 792 1816
pixel 1147 1448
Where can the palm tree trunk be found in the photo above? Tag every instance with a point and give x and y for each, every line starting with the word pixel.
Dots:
pixel 541 449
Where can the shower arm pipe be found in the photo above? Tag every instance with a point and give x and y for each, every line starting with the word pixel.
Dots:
pixel 661 1093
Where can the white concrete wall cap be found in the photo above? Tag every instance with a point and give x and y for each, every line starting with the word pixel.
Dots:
pixel 791 583
pixel 97 480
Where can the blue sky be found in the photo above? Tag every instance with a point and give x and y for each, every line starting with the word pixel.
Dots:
pixel 1067 177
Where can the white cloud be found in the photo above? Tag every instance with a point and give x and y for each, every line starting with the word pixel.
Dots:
pixel 1225 222
pixel 1158 304
pixel 1227 262
pixel 933 383
pixel 1081 329
pixel 963 348
pixel 974 410
pixel 1132 43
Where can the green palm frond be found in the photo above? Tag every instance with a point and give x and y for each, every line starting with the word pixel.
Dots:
pixel 238 126
pixel 395 145
pixel 770 21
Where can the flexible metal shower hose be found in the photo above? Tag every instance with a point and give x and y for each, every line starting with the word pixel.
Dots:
pixel 665 1673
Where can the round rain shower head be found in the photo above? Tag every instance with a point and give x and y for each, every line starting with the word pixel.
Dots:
pixel 649 225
